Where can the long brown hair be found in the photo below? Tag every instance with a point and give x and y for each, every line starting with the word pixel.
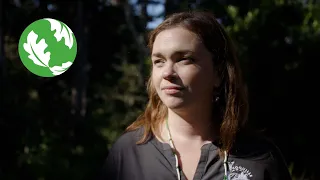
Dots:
pixel 232 106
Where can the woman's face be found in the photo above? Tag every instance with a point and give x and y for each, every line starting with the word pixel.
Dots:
pixel 182 73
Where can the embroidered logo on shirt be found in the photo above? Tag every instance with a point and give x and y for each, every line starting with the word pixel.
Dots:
pixel 238 172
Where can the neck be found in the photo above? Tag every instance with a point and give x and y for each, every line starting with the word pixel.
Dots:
pixel 192 125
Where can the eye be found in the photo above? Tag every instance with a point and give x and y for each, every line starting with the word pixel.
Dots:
pixel 158 62
pixel 187 60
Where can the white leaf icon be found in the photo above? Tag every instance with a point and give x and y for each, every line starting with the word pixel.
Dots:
pixel 36 50
pixel 62 31
pixel 56 70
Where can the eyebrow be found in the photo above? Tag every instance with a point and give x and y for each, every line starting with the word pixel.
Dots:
pixel 182 52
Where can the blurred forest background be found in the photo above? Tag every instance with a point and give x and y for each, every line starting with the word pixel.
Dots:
pixel 62 127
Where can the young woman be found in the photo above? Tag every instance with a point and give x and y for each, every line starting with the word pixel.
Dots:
pixel 193 126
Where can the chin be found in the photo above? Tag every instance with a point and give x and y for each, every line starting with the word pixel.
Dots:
pixel 174 103
pixel 174 106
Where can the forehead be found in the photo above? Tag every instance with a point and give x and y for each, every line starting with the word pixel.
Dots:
pixel 176 39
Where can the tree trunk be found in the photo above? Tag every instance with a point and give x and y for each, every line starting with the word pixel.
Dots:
pixel 80 78
pixel 171 7
pixel 2 53
pixel 139 40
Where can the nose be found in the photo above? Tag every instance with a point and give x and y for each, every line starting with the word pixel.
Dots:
pixel 169 72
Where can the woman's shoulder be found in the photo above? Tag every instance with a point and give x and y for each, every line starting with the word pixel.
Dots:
pixel 254 144
pixel 123 148
pixel 127 140
pixel 258 150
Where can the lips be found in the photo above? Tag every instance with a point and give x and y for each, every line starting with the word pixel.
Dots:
pixel 172 89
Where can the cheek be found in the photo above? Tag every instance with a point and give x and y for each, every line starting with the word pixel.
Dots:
pixel 155 79
pixel 191 75
pixel 199 80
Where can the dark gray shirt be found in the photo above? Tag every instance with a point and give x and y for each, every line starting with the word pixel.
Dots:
pixel 252 159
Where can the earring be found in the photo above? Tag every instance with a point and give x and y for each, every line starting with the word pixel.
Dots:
pixel 215 98
pixel 216 95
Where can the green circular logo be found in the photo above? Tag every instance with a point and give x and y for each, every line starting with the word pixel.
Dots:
pixel 47 47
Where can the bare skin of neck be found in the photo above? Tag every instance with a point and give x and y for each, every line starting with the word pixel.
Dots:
pixel 190 126
pixel 189 131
